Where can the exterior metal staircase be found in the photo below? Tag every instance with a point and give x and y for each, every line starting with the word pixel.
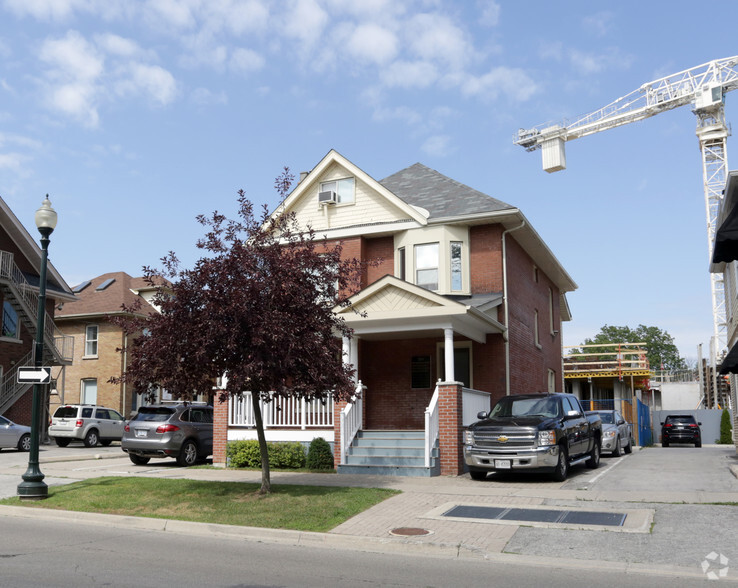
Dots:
pixel 58 348
pixel 390 453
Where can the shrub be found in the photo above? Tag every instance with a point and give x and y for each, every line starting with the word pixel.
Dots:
pixel 246 454
pixel 726 438
pixel 320 456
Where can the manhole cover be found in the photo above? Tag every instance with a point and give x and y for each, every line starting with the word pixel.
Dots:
pixel 410 531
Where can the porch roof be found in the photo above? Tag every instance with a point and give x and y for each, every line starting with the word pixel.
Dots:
pixel 391 308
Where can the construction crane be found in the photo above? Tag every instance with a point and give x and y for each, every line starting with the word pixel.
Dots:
pixel 704 87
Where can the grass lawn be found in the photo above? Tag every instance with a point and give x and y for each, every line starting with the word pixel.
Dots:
pixel 302 508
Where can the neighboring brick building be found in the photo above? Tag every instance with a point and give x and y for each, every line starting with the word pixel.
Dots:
pixel 466 293
pixel 20 262
pixel 98 342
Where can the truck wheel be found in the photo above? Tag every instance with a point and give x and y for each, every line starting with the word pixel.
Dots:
pixel 594 456
pixel 562 467
pixel 478 475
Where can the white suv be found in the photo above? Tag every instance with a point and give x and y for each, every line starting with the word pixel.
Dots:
pixel 87 423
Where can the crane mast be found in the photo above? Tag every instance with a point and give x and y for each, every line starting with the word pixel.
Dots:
pixel 704 87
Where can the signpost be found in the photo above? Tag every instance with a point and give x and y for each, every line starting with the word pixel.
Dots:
pixel 34 375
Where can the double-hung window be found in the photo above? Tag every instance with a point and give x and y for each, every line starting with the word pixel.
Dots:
pixel 344 189
pixel 10 321
pixel 91 341
pixel 426 266
pixel 456 275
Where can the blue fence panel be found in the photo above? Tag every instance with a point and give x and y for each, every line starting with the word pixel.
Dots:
pixel 645 436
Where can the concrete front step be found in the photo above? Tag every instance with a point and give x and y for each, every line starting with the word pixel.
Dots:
pixel 387 450
pixel 389 470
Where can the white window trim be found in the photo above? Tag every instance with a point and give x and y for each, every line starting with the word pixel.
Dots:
pixel 536 331
pixel 97 343
pixel 336 180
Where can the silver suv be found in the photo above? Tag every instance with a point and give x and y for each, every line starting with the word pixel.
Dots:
pixel 87 423
pixel 182 431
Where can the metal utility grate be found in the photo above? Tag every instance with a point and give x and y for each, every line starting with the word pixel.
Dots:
pixel 538 515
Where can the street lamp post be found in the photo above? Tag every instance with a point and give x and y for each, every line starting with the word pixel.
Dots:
pixel 33 486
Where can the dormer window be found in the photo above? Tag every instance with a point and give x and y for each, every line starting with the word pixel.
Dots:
pixel 426 266
pixel 344 189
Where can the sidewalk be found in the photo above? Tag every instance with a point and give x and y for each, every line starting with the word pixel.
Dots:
pixel 689 525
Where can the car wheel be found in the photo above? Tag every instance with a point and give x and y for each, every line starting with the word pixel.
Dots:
pixel 594 456
pixel 616 452
pixel 698 443
pixel 188 454
pixel 478 475
pixel 61 442
pixel 664 444
pixel 629 447
pixel 24 443
pixel 106 442
pixel 562 466
pixel 138 460
pixel 91 438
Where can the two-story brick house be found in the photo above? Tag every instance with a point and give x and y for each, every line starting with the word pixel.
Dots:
pixel 99 343
pixel 20 263
pixel 464 307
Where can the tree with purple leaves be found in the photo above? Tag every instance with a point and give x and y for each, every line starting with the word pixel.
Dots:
pixel 257 307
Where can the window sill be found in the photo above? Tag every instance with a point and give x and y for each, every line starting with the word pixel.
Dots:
pixel 89 357
pixel 10 340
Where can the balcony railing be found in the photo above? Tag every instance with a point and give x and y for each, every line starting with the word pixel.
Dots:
pixel 281 412
pixel 62 345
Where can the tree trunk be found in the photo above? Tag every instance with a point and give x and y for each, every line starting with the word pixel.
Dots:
pixel 266 484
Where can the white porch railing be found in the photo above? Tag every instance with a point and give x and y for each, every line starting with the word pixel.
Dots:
pixel 281 412
pixel 473 402
pixel 431 427
pixel 351 419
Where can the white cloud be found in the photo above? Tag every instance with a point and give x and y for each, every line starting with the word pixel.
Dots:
pixel 204 97
pixel 246 60
pixel 433 37
pixel 45 9
pixel 590 63
pixel 599 23
pixel 372 43
pixel 490 13
pixel 11 161
pixel 305 21
pixel 117 45
pixel 512 82
pixel 170 14
pixel 405 74
pixel 149 80
pixel 437 146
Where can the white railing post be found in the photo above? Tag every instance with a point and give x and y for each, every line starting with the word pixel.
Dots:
pixel 350 422
pixel 431 427
pixel 303 413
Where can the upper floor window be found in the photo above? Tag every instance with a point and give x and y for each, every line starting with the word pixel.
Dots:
pixel 10 321
pixel 344 189
pixel 426 266
pixel 401 263
pixel 91 341
pixel 456 281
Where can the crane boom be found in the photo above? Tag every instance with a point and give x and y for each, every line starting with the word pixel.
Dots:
pixel 704 87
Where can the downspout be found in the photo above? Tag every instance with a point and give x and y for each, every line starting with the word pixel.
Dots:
pixel 506 334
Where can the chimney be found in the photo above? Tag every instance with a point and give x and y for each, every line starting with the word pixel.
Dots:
pixel 303 175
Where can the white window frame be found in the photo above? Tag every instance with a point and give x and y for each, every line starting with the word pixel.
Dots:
pixel 344 193
pixel 536 332
pixel 90 341
pixel 84 383
pixel 427 268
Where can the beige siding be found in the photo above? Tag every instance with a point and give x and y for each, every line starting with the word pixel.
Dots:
pixel 368 207
pixel 395 300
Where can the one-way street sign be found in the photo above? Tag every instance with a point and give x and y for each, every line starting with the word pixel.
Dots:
pixel 34 375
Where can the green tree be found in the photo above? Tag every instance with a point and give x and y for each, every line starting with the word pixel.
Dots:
pixel 660 347
pixel 726 428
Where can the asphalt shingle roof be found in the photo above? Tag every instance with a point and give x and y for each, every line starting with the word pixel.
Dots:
pixel 90 300
pixel 438 194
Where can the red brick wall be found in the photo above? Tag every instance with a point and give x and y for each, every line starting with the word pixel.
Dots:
pixel 485 258
pixel 381 249
pixel 529 363
pixel 220 430
pixel 450 428
pixel 20 412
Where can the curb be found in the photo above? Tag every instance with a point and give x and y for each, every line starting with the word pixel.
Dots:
pixel 388 545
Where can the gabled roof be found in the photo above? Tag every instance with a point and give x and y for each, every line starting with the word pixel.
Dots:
pixel 391 305
pixel 440 195
pixel 57 287
pixel 103 297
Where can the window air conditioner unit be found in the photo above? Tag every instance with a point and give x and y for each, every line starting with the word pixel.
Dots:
pixel 328 197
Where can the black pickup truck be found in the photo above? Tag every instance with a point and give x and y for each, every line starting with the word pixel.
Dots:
pixel 533 432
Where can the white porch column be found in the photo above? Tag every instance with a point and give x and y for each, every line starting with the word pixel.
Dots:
pixel 448 354
pixel 354 357
pixel 346 351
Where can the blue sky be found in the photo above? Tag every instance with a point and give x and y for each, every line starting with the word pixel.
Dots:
pixel 135 116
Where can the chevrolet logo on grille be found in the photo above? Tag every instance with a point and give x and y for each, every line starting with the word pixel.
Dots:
pixel 502 439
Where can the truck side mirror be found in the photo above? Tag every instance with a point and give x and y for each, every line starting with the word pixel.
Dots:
pixel 482 414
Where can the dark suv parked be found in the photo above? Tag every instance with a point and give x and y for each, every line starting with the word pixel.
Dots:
pixel 681 428
pixel 181 431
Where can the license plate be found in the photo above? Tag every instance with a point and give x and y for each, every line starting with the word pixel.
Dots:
pixel 141 432
pixel 503 464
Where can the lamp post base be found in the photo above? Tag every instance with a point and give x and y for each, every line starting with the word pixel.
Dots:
pixel 33 487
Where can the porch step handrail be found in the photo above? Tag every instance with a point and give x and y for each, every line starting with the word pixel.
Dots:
pixel 432 427
pixel 62 345
pixel 350 421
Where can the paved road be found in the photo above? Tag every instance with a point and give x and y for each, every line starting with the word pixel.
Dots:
pixel 690 493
